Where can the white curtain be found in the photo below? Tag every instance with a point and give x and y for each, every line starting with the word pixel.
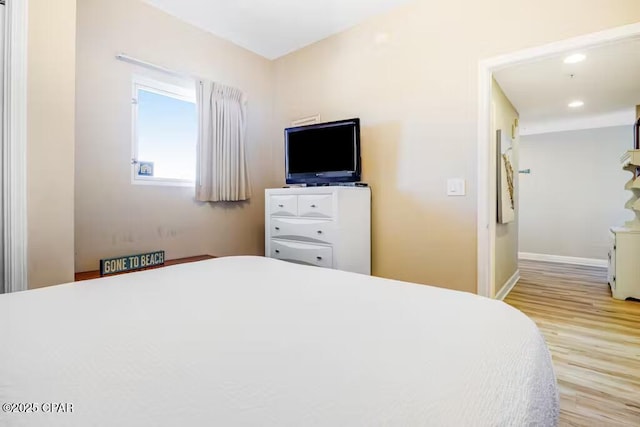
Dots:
pixel 222 173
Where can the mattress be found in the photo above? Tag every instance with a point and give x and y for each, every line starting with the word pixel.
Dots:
pixel 248 341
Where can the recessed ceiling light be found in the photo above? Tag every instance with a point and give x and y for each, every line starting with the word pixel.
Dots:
pixel 576 104
pixel 576 57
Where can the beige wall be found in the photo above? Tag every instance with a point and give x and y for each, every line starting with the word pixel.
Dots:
pixel 415 90
pixel 504 116
pixel 567 207
pixel 114 217
pixel 50 145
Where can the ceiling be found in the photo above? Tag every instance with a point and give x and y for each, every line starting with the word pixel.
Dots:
pixel 607 81
pixel 276 27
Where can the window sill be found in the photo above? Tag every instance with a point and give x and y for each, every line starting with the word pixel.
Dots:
pixel 163 182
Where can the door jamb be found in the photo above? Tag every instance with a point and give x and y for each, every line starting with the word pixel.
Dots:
pixel 14 147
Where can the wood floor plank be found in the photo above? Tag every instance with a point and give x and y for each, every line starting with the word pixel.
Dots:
pixel 594 341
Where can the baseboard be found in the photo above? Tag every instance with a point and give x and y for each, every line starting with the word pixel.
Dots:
pixel 508 286
pixel 589 262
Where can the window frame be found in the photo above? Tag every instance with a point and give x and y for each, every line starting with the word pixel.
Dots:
pixel 164 88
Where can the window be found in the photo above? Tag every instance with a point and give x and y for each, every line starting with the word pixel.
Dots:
pixel 165 127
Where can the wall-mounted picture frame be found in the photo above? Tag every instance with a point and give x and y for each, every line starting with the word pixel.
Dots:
pixel 505 178
pixel 145 168
pixel 304 121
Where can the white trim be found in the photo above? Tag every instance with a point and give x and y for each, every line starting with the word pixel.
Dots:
pixel 187 93
pixel 508 286
pixel 162 182
pixel 184 92
pixel 595 121
pixel 486 225
pixel 14 148
pixel 556 48
pixel 561 259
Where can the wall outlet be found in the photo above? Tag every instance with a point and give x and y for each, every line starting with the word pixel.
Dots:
pixel 456 187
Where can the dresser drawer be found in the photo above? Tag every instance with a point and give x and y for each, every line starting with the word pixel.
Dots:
pixel 311 230
pixel 283 205
pixel 316 205
pixel 304 253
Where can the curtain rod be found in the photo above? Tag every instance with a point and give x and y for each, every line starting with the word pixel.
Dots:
pixel 140 62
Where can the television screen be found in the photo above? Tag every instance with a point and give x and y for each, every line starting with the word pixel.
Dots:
pixel 323 153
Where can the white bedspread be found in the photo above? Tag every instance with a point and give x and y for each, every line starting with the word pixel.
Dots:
pixel 250 341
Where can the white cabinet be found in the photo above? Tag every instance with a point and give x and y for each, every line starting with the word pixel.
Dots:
pixel 623 274
pixel 323 226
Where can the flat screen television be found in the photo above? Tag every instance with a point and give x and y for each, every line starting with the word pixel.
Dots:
pixel 323 153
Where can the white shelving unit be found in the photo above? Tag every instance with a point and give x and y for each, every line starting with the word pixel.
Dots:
pixel 624 254
pixel 631 163
pixel 323 226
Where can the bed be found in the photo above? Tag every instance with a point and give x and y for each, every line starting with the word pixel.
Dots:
pixel 248 341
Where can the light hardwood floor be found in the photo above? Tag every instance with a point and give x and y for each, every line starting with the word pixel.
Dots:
pixel 594 341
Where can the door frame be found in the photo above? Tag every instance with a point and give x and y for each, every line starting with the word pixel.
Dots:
pixel 486 225
pixel 14 148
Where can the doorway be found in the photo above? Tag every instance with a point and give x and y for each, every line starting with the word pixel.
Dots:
pixel 487 194
pixel 570 301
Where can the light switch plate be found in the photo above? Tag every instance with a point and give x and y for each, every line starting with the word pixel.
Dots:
pixel 456 187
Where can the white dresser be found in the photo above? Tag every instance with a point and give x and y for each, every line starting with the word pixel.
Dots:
pixel 623 273
pixel 322 226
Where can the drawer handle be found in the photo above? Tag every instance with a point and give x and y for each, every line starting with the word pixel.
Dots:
pixel 277 251
pixel 277 228
pixel 319 231
pixel 319 258
pixel 281 206
pixel 313 206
